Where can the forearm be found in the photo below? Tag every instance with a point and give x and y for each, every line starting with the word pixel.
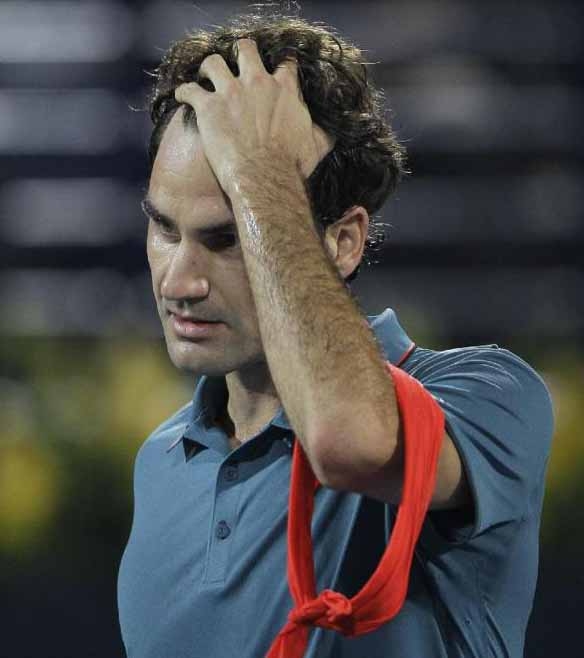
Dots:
pixel 324 360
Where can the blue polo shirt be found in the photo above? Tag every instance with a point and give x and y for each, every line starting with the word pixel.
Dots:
pixel 203 574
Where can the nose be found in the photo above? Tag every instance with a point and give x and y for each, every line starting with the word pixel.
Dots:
pixel 182 279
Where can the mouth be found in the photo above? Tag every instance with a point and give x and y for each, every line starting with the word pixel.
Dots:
pixel 186 318
pixel 189 328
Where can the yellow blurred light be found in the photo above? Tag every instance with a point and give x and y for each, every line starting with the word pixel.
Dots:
pixel 141 389
pixel 566 384
pixel 29 494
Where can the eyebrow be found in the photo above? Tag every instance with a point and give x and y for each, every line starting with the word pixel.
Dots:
pixel 153 213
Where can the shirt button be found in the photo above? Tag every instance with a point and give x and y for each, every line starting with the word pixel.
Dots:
pixel 222 530
pixel 231 473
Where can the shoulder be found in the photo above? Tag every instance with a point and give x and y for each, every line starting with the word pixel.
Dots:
pixel 487 379
pixel 488 365
pixel 498 408
pixel 499 416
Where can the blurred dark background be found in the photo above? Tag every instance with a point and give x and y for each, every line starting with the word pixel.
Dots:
pixel 485 244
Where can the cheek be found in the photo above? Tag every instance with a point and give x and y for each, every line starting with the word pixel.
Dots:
pixel 150 250
pixel 158 262
pixel 247 304
pixel 158 254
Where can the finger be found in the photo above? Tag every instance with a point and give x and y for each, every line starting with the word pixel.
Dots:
pixel 215 68
pixel 325 142
pixel 287 75
pixel 248 59
pixel 191 93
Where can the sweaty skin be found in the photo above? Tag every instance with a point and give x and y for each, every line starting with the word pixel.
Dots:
pixel 212 277
pixel 291 310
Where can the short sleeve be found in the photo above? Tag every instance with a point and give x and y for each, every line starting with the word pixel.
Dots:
pixel 498 412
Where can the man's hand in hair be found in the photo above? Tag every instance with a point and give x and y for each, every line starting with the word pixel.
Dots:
pixel 255 121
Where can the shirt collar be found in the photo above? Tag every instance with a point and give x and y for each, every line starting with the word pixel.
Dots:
pixel 211 391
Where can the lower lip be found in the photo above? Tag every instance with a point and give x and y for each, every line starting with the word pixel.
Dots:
pixel 190 329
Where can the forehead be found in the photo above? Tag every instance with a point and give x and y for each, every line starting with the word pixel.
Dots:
pixel 181 170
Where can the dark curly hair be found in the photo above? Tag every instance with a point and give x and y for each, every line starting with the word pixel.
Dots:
pixel 366 162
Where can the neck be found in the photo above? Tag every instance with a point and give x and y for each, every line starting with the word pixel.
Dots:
pixel 252 403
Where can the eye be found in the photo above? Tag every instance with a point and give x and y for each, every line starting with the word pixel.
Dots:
pixel 163 226
pixel 223 241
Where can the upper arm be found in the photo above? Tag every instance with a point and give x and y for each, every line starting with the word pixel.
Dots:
pixel 499 423
pixel 499 414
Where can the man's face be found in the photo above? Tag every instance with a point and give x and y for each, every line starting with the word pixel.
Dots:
pixel 183 260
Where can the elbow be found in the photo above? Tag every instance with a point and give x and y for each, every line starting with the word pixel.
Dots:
pixel 348 459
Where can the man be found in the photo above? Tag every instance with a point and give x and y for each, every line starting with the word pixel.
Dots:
pixel 250 269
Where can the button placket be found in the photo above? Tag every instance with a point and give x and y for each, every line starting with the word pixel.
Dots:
pixel 224 525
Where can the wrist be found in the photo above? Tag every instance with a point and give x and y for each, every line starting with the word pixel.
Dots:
pixel 260 171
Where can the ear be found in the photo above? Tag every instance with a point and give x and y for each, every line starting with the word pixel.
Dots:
pixel 345 239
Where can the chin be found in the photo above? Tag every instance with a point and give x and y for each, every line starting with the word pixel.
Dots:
pixel 189 358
